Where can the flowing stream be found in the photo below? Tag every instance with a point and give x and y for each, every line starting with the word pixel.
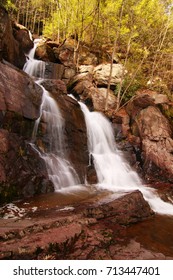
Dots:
pixel 113 172
pixel 59 169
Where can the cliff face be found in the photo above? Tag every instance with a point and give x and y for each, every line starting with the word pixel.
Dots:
pixel 22 171
pixel 11 44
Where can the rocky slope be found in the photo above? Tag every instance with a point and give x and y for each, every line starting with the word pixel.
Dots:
pixel 89 230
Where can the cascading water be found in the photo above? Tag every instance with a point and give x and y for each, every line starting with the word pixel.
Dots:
pixel 112 171
pixel 60 171
pixel 34 67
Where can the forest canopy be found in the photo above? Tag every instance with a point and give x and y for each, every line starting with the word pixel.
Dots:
pixel 141 29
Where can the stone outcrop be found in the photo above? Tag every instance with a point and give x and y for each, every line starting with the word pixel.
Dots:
pixel 54 70
pixel 10 49
pixel 129 208
pixel 20 95
pixel 45 52
pixel 83 86
pixel 154 131
pixel 22 172
pixel 157 144
pixel 21 34
pixel 19 108
pixel 82 233
pixel 55 86
pixel 102 72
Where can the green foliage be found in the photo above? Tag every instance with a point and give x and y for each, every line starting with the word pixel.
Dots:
pixel 8 4
pixel 138 83
pixel 143 28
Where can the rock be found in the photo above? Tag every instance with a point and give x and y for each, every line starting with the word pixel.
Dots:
pixel 21 34
pixel 121 117
pixel 69 73
pixel 28 176
pixel 10 48
pixel 55 86
pixel 53 70
pixel 65 54
pixel 86 57
pixel 19 108
pixel 138 103
pixel 102 72
pixel 129 208
pixel 52 44
pixel 83 85
pixel 25 99
pixel 157 144
pixel 45 53
pixel 86 69
pixel 112 100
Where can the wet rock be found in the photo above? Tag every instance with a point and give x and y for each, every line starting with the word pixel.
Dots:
pixel 130 208
pixel 153 129
pixel 25 99
pixel 121 117
pixel 75 134
pixel 19 107
pixel 75 129
pixel 54 70
pixel 56 87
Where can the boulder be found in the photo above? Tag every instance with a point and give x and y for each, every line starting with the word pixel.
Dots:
pixel 20 94
pixel 157 143
pixel 102 72
pixel 112 100
pixel 129 208
pixel 83 86
pixel 65 54
pixel 22 35
pixel 86 69
pixel 69 73
pixel 138 103
pixel 54 70
pixel 10 49
pixel 86 57
pixel 56 87
pixel 45 52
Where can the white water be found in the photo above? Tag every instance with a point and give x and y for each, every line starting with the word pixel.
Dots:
pixel 33 67
pixel 112 170
pixel 59 169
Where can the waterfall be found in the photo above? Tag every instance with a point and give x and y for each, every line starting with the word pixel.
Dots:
pixel 34 67
pixel 113 172
pixel 59 169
